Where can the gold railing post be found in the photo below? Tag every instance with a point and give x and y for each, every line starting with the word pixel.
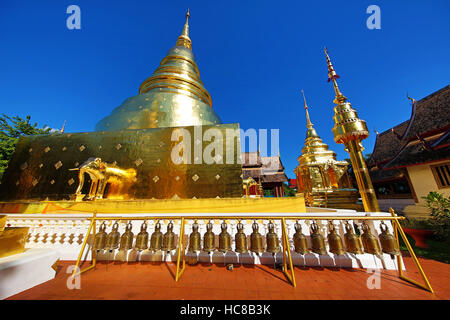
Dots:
pixel 287 248
pixel 94 230
pixel 180 255
pixel 399 229
pixel 80 255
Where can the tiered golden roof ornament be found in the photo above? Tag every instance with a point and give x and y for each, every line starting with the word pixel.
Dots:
pixel 173 96
pixel 317 163
pixel 350 130
pixel 319 175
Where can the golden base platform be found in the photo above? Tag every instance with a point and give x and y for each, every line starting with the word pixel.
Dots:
pixel 221 205
pixel 12 241
pixel 337 199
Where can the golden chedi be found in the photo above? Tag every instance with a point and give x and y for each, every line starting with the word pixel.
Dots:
pixel 173 96
pixel 323 179
pixel 130 155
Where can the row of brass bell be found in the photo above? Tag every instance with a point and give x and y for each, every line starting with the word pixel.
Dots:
pixel 352 241
pixel 166 242
pixel 113 240
pixel 225 240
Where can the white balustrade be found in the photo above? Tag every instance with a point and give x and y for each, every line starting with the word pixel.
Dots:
pixel 66 232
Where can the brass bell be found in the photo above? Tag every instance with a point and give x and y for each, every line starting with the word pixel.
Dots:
pixel 352 241
pixel 334 240
pixel 224 239
pixel 256 242
pixel 370 242
pixel 300 244
pixel 156 238
pixel 388 243
pixel 112 239
pixel 209 239
pixel 318 243
pixel 142 238
pixel 194 239
pixel 240 239
pixel 168 239
pixel 100 237
pixel 273 244
pixel 126 241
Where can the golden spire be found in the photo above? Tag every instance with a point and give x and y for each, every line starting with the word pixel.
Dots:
pixel 350 130
pixel 309 124
pixel 184 40
pixel 332 75
pixel 173 96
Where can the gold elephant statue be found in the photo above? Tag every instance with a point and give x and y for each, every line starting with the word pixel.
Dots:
pixel 103 174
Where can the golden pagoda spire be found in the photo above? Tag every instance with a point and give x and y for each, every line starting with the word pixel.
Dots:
pixel 309 124
pixel 332 76
pixel 350 130
pixel 173 96
pixel 184 40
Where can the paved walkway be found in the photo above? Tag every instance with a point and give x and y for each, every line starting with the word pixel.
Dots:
pixel 156 281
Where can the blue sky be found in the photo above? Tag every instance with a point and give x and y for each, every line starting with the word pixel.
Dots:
pixel 254 58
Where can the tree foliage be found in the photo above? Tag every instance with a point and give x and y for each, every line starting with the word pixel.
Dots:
pixel 11 128
pixel 439 205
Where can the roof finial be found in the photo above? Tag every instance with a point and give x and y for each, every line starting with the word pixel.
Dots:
pixel 309 125
pixel 332 76
pixel 413 101
pixel 184 40
pixel 376 132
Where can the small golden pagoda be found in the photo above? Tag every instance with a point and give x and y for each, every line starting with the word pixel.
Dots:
pixel 320 177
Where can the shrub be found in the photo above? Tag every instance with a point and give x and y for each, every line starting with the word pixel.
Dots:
pixel 439 207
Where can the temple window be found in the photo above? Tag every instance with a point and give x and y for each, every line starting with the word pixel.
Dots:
pixel 442 175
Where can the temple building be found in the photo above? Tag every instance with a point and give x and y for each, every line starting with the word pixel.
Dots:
pixel 413 158
pixel 323 179
pixel 391 186
pixel 268 172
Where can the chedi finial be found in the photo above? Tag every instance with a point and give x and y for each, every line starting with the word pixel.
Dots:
pixel 184 40
pixel 308 120
pixel 332 76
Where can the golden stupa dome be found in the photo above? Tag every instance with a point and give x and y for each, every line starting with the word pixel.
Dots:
pixel 173 96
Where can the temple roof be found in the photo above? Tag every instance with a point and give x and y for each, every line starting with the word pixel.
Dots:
pixel 430 114
pixel 272 164
pixel 387 144
pixel 274 177
pixel 423 138
pixel 268 169
pixel 254 173
pixel 423 151
pixel 250 159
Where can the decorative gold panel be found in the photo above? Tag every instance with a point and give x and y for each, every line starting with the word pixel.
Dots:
pixel 147 151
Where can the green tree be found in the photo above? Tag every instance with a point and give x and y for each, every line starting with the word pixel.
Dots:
pixel 288 191
pixel 11 128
